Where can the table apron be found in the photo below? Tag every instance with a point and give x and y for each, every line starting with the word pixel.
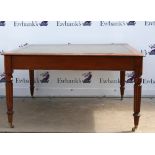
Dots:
pixel 80 62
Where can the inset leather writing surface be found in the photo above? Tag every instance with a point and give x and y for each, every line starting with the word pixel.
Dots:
pixel 76 49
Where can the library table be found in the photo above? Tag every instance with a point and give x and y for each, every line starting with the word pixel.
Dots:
pixel 114 57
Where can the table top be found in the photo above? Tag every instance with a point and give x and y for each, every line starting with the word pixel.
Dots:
pixel 76 49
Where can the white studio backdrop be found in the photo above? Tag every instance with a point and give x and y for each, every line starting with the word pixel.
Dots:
pixel 139 34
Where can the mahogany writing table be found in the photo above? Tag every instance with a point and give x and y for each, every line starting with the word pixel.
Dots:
pixel 115 57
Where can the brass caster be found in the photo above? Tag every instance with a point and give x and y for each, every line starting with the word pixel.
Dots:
pixel 134 128
pixel 11 125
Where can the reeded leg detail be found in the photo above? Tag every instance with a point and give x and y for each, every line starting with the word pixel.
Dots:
pixel 122 83
pixel 31 77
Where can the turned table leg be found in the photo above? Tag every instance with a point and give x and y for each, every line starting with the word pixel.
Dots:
pixel 137 93
pixel 31 77
pixel 122 83
pixel 9 89
pixel 137 100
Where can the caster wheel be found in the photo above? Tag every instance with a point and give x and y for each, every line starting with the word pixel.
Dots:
pixel 11 125
pixel 134 129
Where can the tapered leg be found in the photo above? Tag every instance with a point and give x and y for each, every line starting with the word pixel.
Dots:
pixel 9 89
pixel 122 83
pixel 31 76
pixel 137 94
